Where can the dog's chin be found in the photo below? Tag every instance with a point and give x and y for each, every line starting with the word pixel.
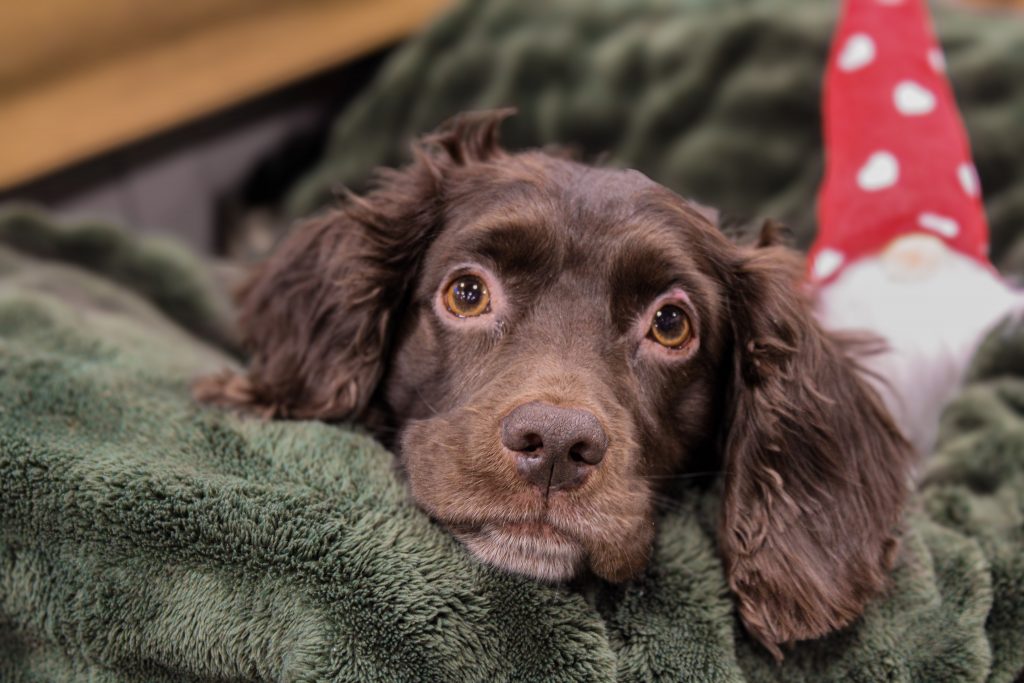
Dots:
pixel 531 549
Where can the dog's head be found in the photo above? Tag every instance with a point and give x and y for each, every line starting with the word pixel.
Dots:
pixel 548 343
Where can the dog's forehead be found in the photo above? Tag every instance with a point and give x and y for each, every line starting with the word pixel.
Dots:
pixel 577 202
pixel 602 184
pixel 577 187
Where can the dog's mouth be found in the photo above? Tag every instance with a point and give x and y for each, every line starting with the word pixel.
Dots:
pixel 473 488
pixel 534 548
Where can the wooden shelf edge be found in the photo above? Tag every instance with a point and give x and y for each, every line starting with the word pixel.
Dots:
pixel 67 121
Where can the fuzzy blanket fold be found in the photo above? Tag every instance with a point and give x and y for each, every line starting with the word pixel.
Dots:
pixel 144 537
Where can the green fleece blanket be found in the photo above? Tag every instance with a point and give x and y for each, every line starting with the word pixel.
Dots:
pixel 147 538
pixel 717 99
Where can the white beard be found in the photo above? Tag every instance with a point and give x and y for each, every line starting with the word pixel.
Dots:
pixel 932 307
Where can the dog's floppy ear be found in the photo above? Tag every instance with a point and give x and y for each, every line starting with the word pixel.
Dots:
pixel 317 317
pixel 816 471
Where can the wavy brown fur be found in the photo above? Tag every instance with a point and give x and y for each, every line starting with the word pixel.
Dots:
pixel 817 473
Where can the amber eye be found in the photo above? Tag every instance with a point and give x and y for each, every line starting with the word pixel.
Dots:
pixel 670 327
pixel 467 297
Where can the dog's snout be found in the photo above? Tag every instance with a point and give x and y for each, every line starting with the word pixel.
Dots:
pixel 555 448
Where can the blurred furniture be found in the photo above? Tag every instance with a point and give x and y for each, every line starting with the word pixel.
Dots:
pixel 82 77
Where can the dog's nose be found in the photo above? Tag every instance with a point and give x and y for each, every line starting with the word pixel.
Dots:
pixel 555 448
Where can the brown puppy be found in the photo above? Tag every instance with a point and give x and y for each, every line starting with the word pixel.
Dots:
pixel 548 341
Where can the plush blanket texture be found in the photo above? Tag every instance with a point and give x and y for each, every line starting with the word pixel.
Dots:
pixel 717 99
pixel 144 537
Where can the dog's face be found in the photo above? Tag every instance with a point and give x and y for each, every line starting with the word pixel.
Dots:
pixel 545 344
pixel 557 354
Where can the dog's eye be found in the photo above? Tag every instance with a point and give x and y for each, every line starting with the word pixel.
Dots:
pixel 670 327
pixel 467 297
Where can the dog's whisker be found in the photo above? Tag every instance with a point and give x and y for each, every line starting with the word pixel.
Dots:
pixel 431 408
pixel 681 476
pixel 666 504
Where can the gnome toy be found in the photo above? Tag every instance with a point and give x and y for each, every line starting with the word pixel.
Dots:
pixel 902 247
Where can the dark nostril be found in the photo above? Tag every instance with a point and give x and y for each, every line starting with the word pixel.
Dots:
pixel 531 443
pixel 587 453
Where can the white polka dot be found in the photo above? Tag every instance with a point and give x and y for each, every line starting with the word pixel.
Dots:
pixel 913 99
pixel 826 263
pixel 942 225
pixel 857 52
pixel 880 171
pixel 968 176
pixel 937 60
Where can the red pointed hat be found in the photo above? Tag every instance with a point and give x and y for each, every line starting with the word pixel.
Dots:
pixel 897 159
